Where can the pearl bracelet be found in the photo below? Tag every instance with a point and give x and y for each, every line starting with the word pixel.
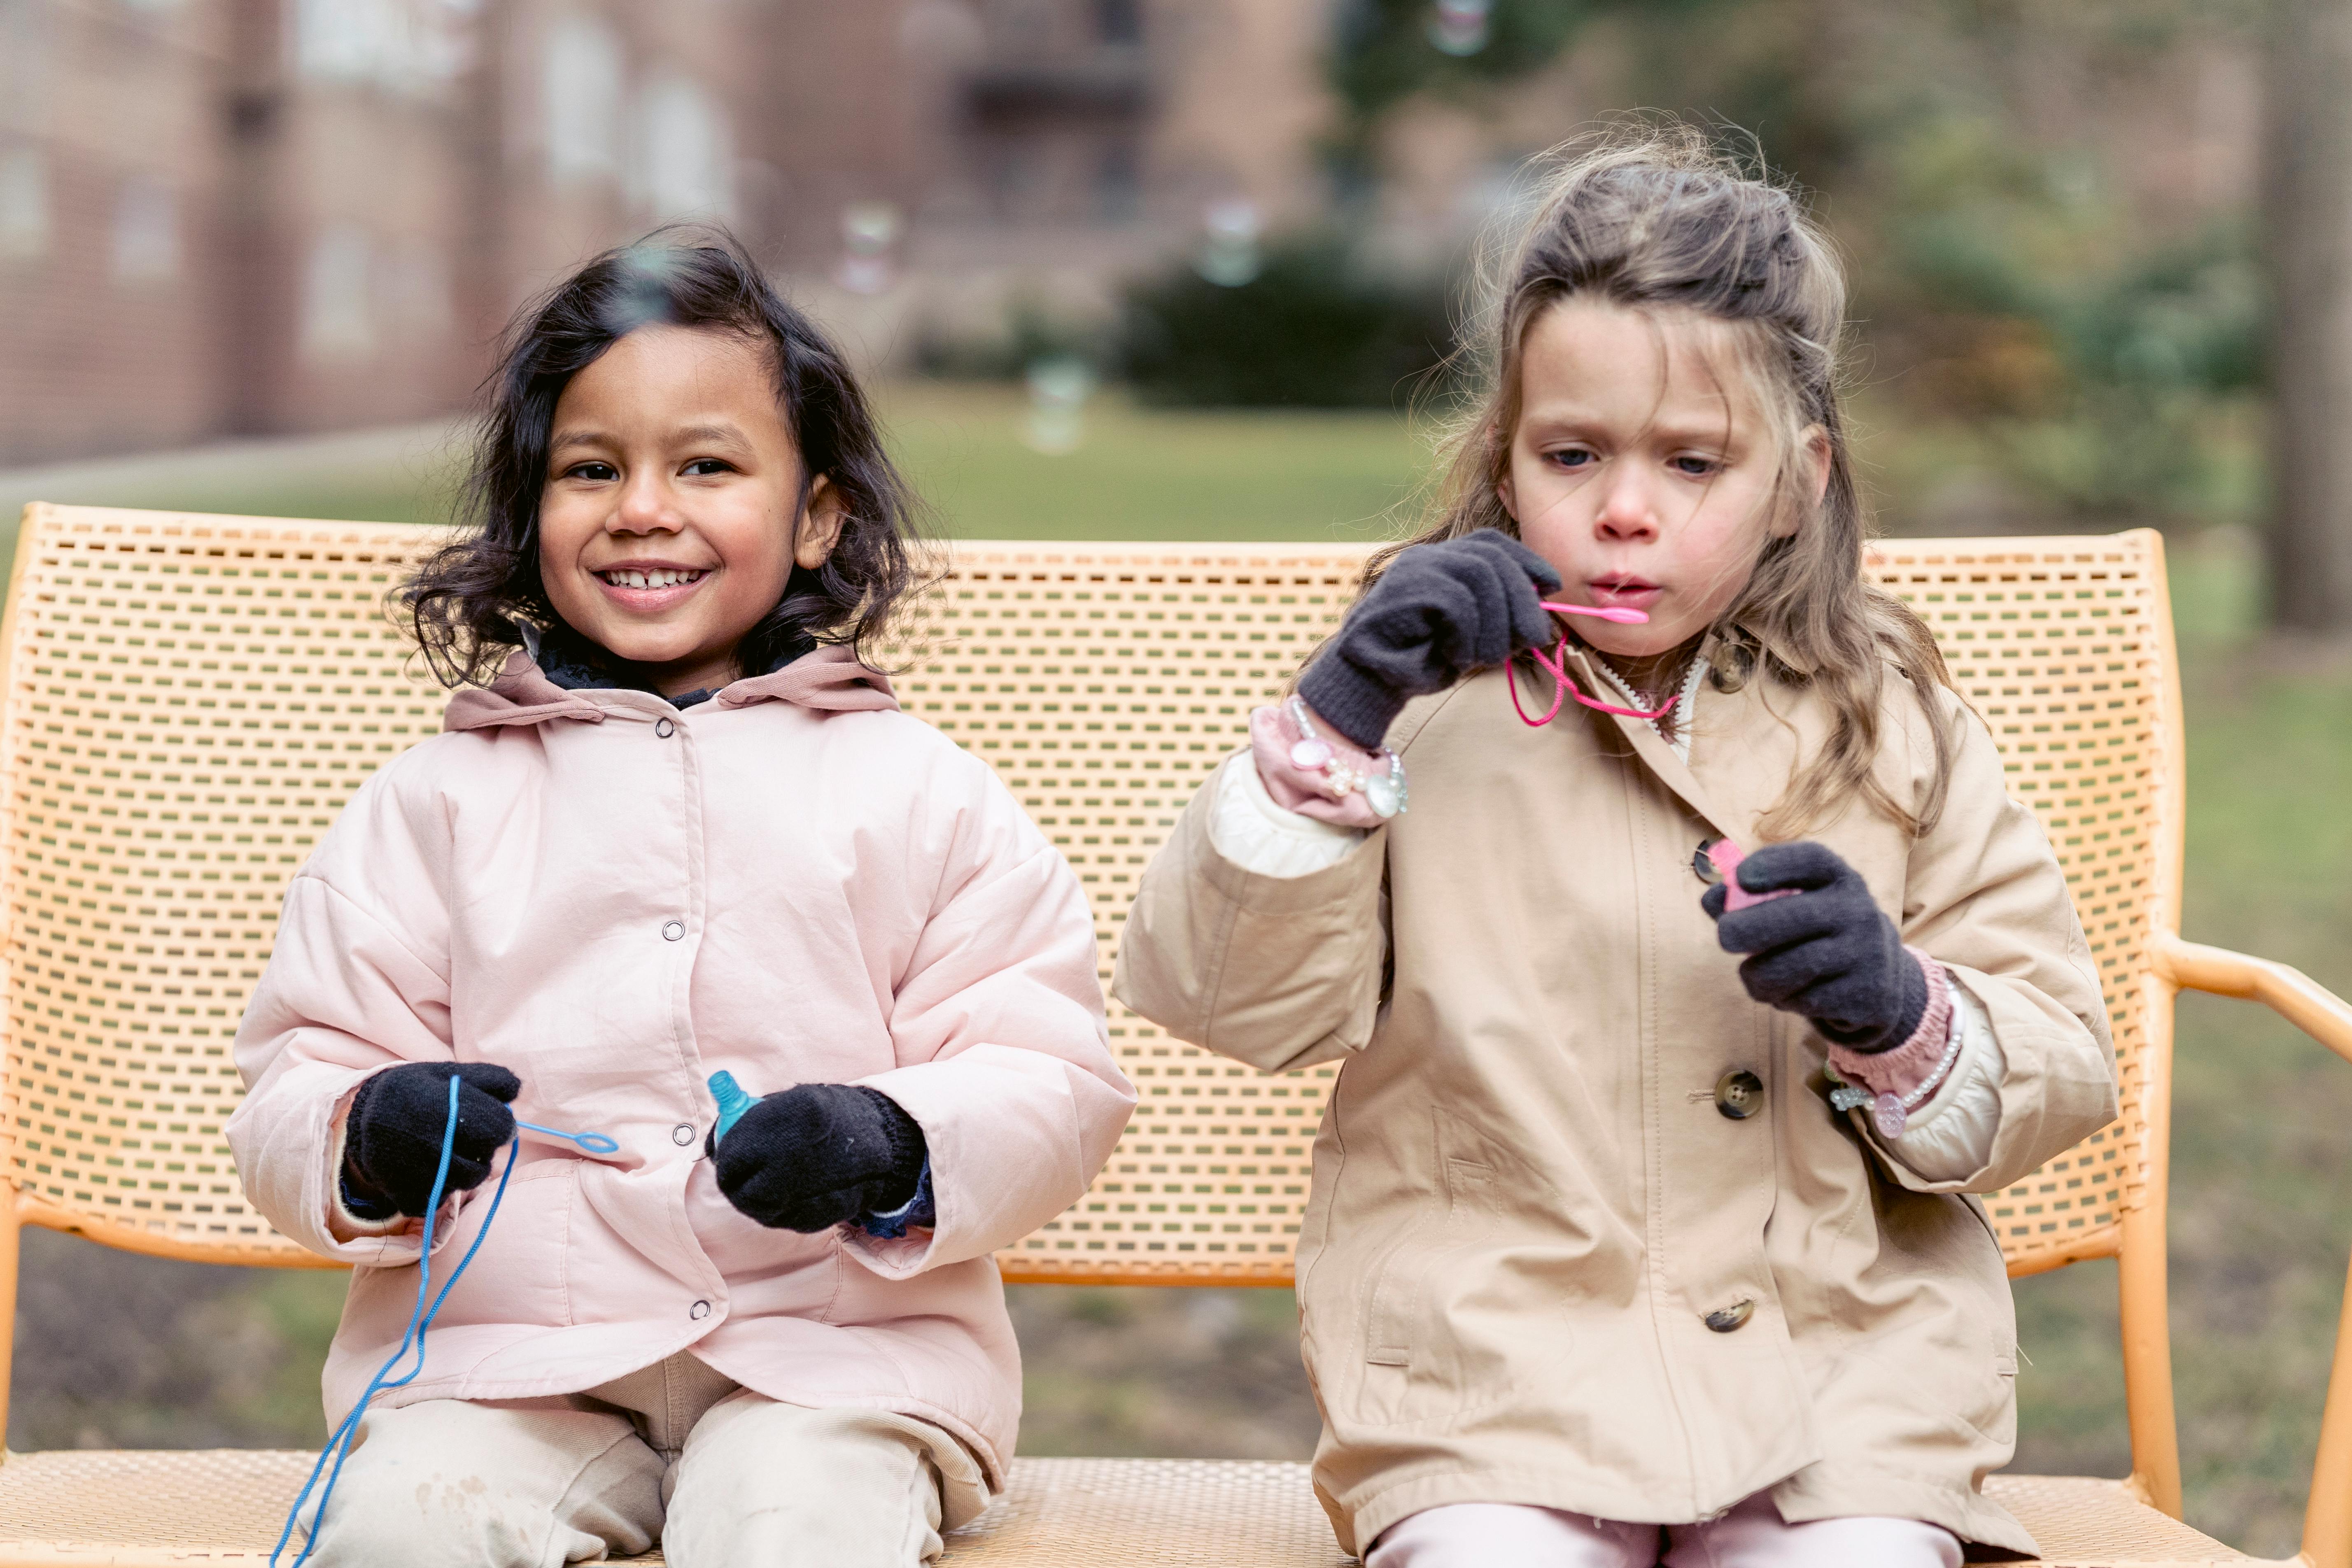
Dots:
pixel 1385 793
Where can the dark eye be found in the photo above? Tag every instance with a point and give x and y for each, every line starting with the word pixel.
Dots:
pixel 704 467
pixel 1572 458
pixel 1696 467
pixel 595 473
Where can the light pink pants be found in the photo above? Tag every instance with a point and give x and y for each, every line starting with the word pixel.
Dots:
pixel 1488 1535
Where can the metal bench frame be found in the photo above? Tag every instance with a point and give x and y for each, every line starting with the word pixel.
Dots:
pixel 189 700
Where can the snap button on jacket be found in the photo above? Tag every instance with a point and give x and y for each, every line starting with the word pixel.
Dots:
pixel 1585 1232
pixel 797 884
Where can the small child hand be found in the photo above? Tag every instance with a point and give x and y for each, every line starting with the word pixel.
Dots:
pixel 1438 613
pixel 391 1136
pixel 1829 954
pixel 818 1155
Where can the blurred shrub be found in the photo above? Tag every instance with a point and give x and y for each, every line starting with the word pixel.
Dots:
pixel 2011 289
pixel 1028 332
pixel 1313 329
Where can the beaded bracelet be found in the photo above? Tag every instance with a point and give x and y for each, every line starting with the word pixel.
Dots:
pixel 1890 1113
pixel 1385 793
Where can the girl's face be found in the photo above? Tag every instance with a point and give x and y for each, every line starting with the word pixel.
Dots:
pixel 1642 469
pixel 670 520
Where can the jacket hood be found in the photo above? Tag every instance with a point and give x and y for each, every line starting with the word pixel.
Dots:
pixel 829 679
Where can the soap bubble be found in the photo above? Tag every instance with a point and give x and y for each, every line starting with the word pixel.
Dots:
pixel 868 232
pixel 1459 27
pixel 1059 386
pixel 1229 255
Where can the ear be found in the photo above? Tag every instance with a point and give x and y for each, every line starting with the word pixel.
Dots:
pixel 1509 495
pixel 1814 455
pixel 818 529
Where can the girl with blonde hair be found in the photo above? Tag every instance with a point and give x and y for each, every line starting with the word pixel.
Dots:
pixel 1690 964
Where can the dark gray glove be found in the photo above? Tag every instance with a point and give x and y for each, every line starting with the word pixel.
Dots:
pixel 391 1139
pixel 1439 612
pixel 820 1154
pixel 1829 954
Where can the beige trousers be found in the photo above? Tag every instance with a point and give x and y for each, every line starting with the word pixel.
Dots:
pixel 723 1478
pixel 1751 1535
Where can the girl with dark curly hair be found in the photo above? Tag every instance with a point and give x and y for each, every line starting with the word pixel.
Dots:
pixel 678 844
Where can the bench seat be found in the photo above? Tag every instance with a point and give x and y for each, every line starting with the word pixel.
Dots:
pixel 149 1509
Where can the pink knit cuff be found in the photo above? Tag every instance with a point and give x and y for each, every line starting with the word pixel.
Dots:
pixel 1904 1071
pixel 1309 792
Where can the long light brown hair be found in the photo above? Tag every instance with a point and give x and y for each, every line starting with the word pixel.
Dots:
pixel 1655 217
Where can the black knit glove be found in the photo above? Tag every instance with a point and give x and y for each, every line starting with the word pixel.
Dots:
pixel 1829 953
pixel 392 1140
pixel 819 1155
pixel 1439 612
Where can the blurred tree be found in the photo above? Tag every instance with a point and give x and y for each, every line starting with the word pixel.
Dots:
pixel 2307 212
pixel 2020 303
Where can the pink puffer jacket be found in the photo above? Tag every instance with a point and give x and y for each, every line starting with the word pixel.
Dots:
pixel 794 881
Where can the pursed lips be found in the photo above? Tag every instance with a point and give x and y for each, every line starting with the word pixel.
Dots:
pixel 1619 590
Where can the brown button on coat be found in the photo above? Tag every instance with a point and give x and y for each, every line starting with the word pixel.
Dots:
pixel 1540 1265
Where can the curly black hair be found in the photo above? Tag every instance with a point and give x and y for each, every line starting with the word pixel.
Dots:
pixel 464 605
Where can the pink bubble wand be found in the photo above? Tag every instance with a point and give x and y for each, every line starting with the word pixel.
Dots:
pixel 1564 684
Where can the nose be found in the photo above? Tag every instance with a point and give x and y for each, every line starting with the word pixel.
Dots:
pixel 644 505
pixel 1628 510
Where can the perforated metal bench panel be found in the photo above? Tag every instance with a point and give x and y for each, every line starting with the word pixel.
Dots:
pixel 190 699
pixel 227 1506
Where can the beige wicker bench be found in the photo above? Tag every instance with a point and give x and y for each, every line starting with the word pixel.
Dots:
pixel 189 700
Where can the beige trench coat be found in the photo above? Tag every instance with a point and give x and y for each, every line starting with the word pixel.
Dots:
pixel 1525 1202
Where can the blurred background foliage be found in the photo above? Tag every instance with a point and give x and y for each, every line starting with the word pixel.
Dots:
pixel 2037 339
pixel 1317 327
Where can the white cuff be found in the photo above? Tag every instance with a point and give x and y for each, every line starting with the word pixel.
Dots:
pixel 1249 830
pixel 342 1223
pixel 1950 1137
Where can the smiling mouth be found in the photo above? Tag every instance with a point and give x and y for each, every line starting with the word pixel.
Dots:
pixel 667 577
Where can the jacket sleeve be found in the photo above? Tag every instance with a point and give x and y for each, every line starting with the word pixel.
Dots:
pixel 1987 897
pixel 349 991
pixel 997 1022
pixel 1278 972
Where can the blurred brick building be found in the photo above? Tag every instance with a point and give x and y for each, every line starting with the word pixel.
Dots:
pixel 245 216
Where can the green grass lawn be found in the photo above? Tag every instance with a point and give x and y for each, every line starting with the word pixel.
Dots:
pixel 1136 474
pixel 2261 1220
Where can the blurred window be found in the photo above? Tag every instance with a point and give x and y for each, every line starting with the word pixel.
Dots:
pixel 945 31
pixel 408 45
pixel 583 95
pixel 417 290
pixel 685 157
pixel 1022 27
pixel 24 203
pixel 1118 183
pixel 146 231
pixel 338 324
pixel 1118 21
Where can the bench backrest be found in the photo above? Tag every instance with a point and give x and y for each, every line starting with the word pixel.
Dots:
pixel 190 699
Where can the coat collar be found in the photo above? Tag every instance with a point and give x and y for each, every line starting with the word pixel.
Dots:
pixel 1647 744
pixel 829 679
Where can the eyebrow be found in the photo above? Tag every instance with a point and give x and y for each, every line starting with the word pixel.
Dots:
pixel 571 438
pixel 725 434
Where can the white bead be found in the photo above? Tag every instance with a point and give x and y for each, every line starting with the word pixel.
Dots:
pixel 1886 1113
pixel 1310 753
pixel 1380 793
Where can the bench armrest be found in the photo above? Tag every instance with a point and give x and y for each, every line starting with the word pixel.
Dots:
pixel 2293 995
pixel 2328 1018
